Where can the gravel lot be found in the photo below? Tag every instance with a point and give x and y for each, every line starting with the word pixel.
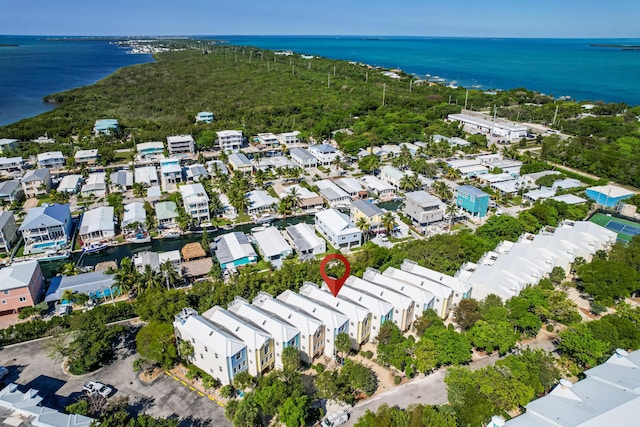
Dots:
pixel 30 367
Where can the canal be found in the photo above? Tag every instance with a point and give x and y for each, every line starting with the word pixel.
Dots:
pixel 117 253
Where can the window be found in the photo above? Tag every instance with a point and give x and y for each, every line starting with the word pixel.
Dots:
pixel 206 349
pixel 220 367
pixel 216 355
pixel 4 301
pixel 22 299
pixel 238 356
pixel 201 356
pixel 5 292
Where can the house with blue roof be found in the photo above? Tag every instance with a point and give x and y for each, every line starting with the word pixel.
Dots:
pixel 472 200
pixel 46 227
pixel 105 126
pixel 204 117
pixel 325 153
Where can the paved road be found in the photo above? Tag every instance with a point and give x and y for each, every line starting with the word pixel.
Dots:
pixel 30 367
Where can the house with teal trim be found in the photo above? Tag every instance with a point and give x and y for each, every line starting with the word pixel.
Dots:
pixel 234 250
pixel 105 126
pixel 96 284
pixel 472 200
pixel 46 227
pixel 204 117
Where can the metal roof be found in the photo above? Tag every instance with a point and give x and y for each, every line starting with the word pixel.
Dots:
pixel 367 208
pixel 46 216
pixel 98 219
pixel 166 210
pixel 134 212
pixel 233 246
pixel 304 237
pixel 471 191
pixel 18 275
pixel 82 283
pixel 271 242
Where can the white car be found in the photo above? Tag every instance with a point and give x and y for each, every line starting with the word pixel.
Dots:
pixel 93 387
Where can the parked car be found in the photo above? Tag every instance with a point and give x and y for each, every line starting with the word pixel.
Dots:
pixel 3 372
pixel 336 419
pixel 93 387
pixel 63 309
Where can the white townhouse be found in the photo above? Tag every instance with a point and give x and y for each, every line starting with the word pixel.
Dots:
pixel 215 350
pixel 381 310
pixel 310 327
pixel 423 208
pixel 51 160
pixel 325 153
pixel 422 298
pixel 334 321
pixel 358 315
pixel 181 145
pixel 403 305
pixel 288 138
pixel 196 202
pixel 461 289
pixel 441 295
pixel 284 334
pixel 97 225
pixel 36 182
pixel 337 229
pixel 303 157
pixel 230 141
pixel 260 354
pixel 86 156
pixel 11 164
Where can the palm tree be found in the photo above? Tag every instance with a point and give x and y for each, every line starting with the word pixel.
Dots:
pixel 69 269
pixel 127 276
pixel 139 189
pixel 363 225
pixel 294 197
pixel 388 222
pixel 451 211
pixel 150 280
pixel 410 182
pixel 452 174
pixel 284 207
pixel 222 183
pixel 169 273
pixel 442 190
pixel 67 296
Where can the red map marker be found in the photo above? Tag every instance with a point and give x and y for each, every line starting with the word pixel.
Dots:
pixel 335 284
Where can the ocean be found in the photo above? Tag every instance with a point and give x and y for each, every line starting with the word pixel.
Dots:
pixel 559 67
pixel 38 67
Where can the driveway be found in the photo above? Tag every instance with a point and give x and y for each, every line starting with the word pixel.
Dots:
pixel 30 367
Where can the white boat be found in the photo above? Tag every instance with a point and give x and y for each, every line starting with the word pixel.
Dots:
pixel 94 247
pixel 139 235
pixel 171 235
pixel 54 255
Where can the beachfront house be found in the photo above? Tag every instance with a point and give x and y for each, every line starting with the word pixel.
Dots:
pixel 181 145
pixel 46 227
pixel 36 182
pixel 8 144
pixel 97 225
pixel 70 184
pixel 86 156
pixel 51 160
pixel 21 285
pixel 260 348
pixel 105 126
pixel 8 231
pixel 95 186
pixel 229 141
pixel 334 321
pixel 371 213
pixel 234 250
pixel 167 215
pixel 284 334
pixel 359 316
pixel 170 173
pixel 472 200
pixel 272 245
pixel 336 227
pixel 311 329
pixel 423 208
pixel 303 157
pixel 305 240
pixel 10 191
pixel 215 350
pixel 150 150
pixel 196 202
pixel 204 117
pixel 96 285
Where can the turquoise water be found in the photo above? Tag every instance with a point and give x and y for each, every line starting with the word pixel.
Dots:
pixel 38 67
pixel 560 67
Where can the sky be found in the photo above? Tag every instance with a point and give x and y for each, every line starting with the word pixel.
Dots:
pixel 459 18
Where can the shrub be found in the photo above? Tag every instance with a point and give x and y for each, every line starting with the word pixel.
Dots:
pixel 319 368
pixel 368 354
pixel 397 380
pixel 549 327
pixel 227 391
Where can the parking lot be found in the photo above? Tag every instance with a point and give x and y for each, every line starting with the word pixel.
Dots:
pixel 30 367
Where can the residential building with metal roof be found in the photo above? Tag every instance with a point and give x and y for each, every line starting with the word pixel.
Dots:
pixel 97 225
pixel 337 228
pixel 305 240
pixel 272 245
pixel 234 250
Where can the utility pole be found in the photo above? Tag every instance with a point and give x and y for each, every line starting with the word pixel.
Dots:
pixel 293 70
pixel 366 77
pixel 410 84
pixel 328 80
pixel 384 92
pixel 555 116
pixel 466 98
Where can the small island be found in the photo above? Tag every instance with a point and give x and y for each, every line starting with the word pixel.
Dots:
pixel 8 45
pixel 616 46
